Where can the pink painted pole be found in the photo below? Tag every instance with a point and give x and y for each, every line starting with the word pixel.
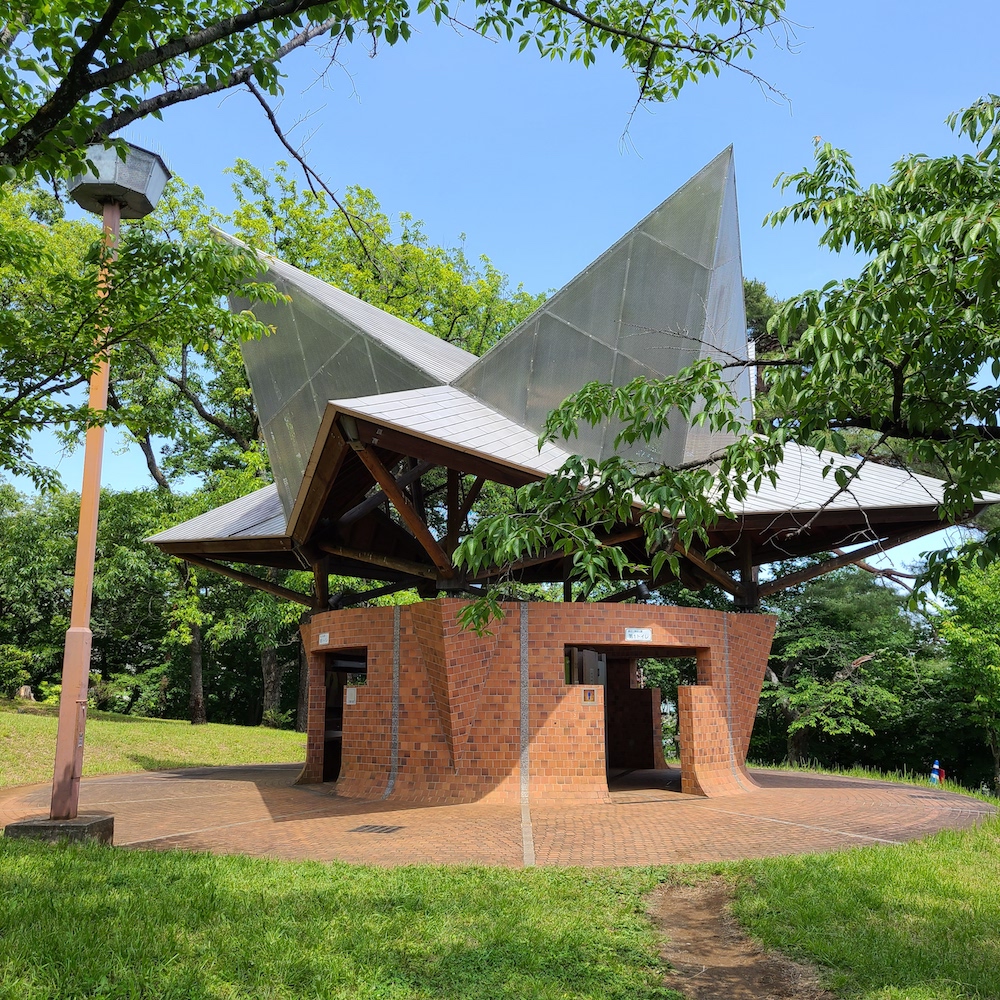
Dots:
pixel 76 656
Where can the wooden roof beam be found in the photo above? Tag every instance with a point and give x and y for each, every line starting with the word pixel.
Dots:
pixel 377 559
pixel 847 559
pixel 252 581
pixel 411 518
pixel 379 497
pixel 709 568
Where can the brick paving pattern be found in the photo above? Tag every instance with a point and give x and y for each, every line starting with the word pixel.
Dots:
pixel 260 811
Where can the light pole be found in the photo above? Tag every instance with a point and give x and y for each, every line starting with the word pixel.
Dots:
pixel 115 189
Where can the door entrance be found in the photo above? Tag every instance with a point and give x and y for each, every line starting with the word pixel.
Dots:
pixel 632 719
pixel 344 670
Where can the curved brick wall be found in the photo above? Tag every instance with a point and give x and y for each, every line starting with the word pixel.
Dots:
pixel 458 720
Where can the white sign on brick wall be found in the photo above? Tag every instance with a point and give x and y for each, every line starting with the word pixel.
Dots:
pixel 638 635
pixel 351 696
pixel 324 639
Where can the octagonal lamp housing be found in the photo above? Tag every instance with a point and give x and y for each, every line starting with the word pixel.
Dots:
pixel 135 183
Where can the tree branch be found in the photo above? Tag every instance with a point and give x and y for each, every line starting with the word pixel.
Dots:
pixel 76 86
pixel 171 97
pixel 311 174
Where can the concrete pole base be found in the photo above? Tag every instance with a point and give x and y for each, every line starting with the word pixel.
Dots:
pixel 96 828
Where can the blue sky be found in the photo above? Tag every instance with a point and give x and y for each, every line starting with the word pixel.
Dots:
pixel 525 157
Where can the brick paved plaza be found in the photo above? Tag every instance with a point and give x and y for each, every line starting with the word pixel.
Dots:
pixel 260 811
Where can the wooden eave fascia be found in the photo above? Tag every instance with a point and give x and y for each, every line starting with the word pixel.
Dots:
pixel 325 461
pixel 230 547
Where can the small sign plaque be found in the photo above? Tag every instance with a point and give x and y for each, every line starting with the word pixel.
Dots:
pixel 638 635
pixel 589 695
pixel 351 696
pixel 324 638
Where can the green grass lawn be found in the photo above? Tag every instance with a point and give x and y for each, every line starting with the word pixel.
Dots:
pixel 114 924
pixel 120 743
pixel 914 922
pixel 917 922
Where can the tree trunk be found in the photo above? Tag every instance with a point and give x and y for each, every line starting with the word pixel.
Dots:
pixel 798 747
pixel 272 672
pixel 197 702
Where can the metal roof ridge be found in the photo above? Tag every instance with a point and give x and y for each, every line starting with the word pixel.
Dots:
pixel 419 336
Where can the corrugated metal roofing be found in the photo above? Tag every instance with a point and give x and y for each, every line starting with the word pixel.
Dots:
pixel 802 486
pixel 257 515
pixel 446 414
pixel 449 416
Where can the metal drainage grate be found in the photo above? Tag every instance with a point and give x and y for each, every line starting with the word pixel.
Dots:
pixel 374 828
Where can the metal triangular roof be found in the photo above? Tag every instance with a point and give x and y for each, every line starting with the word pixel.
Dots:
pixel 328 344
pixel 668 292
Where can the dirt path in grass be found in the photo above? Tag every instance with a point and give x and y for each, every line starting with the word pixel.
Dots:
pixel 711 957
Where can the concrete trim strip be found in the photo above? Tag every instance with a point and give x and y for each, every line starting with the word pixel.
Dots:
pixel 804 826
pixel 394 736
pixel 527 836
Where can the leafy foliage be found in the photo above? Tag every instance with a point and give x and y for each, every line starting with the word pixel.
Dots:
pixel 971 629
pixel 74 73
pixel 53 326
pixel 907 350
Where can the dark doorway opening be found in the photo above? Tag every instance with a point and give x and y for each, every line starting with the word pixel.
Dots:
pixel 345 671
pixel 640 707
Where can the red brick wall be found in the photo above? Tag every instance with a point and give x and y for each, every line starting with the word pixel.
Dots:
pixel 459 717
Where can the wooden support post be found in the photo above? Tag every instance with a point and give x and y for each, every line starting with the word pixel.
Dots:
pixel 453 501
pixel 321 585
pixel 417 492
pixel 749 600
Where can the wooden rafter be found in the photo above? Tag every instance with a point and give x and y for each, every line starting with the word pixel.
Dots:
pixel 252 581
pixel 406 510
pixel 377 559
pixel 876 548
pixel 378 497
pixel 550 555
pixel 709 568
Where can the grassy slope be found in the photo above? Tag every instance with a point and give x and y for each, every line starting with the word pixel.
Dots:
pixel 120 743
pixel 918 922
pixel 117 924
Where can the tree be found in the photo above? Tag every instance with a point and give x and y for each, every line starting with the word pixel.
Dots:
pixel 52 324
pixel 75 73
pixel 841 641
pixel 132 590
pixel 971 629
pixel 906 354
pixel 187 403
pixel 392 266
pixel 909 351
